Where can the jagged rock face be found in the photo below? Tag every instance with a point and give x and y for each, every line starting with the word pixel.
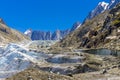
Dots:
pixel 113 3
pixel 102 6
pixel 57 35
pixel 100 31
pixel 1 21
pixel 65 33
pixel 9 35
pixel 38 35
pixel 41 35
pixel 48 35
pixel 75 26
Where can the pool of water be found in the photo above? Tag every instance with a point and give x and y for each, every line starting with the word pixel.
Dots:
pixel 102 52
pixel 62 58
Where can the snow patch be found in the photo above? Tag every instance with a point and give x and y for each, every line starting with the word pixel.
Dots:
pixel 103 4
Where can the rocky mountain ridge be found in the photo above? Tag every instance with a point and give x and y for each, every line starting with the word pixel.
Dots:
pixel 101 7
pixel 57 35
pixel 10 35
pixel 101 31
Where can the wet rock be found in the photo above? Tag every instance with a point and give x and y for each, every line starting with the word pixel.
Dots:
pixel 108 68
pixel 104 71
pixel 115 66
pixel 59 59
pixel 70 74
pixel 85 68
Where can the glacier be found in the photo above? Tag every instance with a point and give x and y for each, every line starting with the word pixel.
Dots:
pixel 15 58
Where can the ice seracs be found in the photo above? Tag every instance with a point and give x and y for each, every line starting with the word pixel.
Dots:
pixel 16 58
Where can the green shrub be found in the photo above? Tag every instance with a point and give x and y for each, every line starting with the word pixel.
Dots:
pixel 116 22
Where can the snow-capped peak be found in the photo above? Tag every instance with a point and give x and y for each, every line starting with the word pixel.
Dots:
pixel 112 1
pixel 101 7
pixel 103 4
pixel 28 32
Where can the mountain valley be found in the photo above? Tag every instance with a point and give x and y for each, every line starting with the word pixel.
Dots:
pixel 87 51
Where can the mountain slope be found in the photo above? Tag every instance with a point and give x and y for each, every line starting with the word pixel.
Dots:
pixel 9 35
pixel 75 26
pixel 101 31
pixel 113 3
pixel 101 7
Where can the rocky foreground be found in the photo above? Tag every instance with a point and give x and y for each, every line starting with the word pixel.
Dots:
pixel 71 66
pixel 35 74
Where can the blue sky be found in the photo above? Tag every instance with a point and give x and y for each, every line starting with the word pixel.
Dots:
pixel 45 15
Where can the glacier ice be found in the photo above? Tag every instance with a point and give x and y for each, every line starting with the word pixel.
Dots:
pixel 15 58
